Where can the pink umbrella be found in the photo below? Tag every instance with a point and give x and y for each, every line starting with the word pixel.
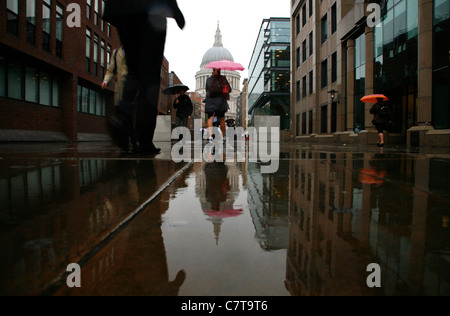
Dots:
pixel 224 213
pixel 225 65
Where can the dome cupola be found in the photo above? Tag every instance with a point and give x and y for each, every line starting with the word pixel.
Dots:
pixel 217 52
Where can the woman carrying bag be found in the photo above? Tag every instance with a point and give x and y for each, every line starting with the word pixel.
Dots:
pixel 216 105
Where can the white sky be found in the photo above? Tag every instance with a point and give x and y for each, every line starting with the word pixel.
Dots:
pixel 240 21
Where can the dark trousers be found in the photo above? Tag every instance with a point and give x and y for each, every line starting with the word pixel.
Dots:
pixel 144 49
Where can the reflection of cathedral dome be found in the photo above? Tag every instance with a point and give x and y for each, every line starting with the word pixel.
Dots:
pixel 217 52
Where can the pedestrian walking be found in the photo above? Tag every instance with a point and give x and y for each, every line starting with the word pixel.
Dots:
pixel 184 107
pixel 381 120
pixel 117 71
pixel 142 28
pixel 216 104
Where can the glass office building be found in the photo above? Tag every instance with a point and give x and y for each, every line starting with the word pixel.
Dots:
pixel 441 64
pixel 396 61
pixel 269 71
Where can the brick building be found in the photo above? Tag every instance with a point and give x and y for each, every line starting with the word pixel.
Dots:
pixel 51 74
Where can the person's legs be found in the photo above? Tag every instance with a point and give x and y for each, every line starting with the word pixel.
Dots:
pixel 222 126
pixel 210 124
pixel 151 44
pixel 122 123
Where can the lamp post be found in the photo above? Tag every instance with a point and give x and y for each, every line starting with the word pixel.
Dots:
pixel 333 94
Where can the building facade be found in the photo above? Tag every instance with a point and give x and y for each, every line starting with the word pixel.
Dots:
pixel 51 73
pixel 269 82
pixel 339 58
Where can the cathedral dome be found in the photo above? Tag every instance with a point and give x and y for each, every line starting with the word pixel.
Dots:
pixel 217 52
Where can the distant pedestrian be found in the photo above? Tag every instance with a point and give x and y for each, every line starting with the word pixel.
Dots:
pixel 184 107
pixel 117 71
pixel 381 120
pixel 216 104
pixel 142 27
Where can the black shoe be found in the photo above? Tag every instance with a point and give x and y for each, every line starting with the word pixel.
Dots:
pixel 149 149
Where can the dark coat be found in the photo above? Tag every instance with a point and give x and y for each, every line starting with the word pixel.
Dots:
pixel 215 104
pixel 378 118
pixel 184 107
pixel 116 10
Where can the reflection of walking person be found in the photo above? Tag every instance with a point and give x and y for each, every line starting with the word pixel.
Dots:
pixel 381 120
pixel 141 25
pixel 184 107
pixel 216 104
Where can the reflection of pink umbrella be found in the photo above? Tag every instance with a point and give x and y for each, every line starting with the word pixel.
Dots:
pixel 224 213
pixel 225 65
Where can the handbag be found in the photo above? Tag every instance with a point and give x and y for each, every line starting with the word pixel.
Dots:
pixel 226 92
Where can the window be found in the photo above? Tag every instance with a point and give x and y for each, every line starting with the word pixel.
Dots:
pixel 31 21
pixel 324 73
pixel 304 15
pixel 333 19
pixel 334 117
pixel 311 126
pixel 304 118
pixel 31 84
pixel 311 8
pixel 304 87
pixel 15 80
pixel 311 43
pixel 96 9
pixel 2 77
pixel 102 59
pixel 91 102
pixel 108 54
pixel 324 120
pixel 334 67
pixel 59 29
pixel 12 17
pixel 297 23
pixel 95 57
pixel 45 89
pixel 46 5
pixel 88 8
pixel 298 92
pixel 88 50
pixel 28 83
pixel 311 82
pixel 324 29
pixel 55 93
pixel 304 50
pixel 298 57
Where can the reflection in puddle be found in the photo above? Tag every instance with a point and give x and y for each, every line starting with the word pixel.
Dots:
pixel 312 228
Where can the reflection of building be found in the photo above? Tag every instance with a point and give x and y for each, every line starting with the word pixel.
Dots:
pixel 405 57
pixel 339 225
pixel 216 53
pixel 268 200
pixel 269 80
pixel 56 210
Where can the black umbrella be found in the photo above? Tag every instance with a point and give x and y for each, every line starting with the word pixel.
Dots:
pixel 175 89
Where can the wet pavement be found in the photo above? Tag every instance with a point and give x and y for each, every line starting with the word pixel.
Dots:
pixel 149 226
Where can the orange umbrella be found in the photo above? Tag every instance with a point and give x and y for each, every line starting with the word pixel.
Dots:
pixel 373 98
pixel 372 176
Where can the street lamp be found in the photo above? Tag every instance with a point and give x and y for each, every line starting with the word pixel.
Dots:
pixel 333 95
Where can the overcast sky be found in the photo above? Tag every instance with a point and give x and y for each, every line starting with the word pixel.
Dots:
pixel 240 21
